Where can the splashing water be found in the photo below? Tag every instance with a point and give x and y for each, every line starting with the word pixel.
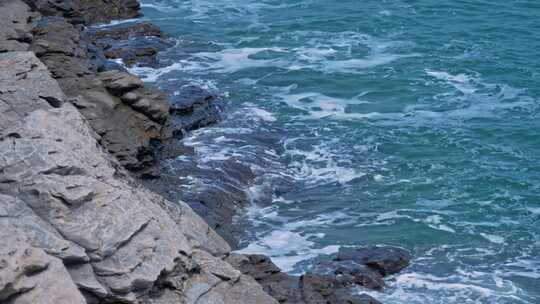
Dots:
pixel 405 123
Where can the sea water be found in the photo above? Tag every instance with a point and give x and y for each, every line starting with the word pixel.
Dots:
pixel 408 123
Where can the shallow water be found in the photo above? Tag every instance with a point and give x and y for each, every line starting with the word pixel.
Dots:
pixel 410 123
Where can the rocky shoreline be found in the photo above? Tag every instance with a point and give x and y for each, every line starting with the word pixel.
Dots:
pixel 86 213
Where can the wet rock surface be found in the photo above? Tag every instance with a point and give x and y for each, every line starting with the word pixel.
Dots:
pixel 334 286
pixel 384 260
pixel 87 11
pixel 133 43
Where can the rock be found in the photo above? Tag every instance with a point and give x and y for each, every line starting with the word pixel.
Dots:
pixel 126 31
pixel 88 12
pixel 310 288
pixel 384 259
pixel 119 83
pixel 283 287
pixel 53 167
pixel 18 219
pixel 130 98
pixel 28 275
pixel 21 69
pixel 134 43
pixel 16 21
pixel 351 273
pixel 193 108
pixel 126 132
pixel 67 53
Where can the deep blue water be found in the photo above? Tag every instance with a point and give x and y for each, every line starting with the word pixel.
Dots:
pixel 410 123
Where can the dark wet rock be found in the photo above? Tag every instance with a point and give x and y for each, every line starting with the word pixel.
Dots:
pixel 283 287
pixel 86 11
pixel 134 43
pixel 216 196
pixel 67 53
pixel 16 21
pixel 310 288
pixel 193 108
pixel 126 31
pixel 323 289
pixel 351 273
pixel 384 259
pixel 128 131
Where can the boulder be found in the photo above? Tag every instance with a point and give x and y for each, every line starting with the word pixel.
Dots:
pixel 118 82
pixel 384 259
pixel 134 43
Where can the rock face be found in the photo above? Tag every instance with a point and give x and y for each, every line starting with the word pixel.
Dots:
pixel 118 242
pixel 29 275
pixel 127 130
pixel 16 21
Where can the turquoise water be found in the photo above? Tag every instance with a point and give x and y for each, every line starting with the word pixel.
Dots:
pixel 410 123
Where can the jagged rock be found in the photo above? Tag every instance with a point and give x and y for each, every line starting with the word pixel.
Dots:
pixel 28 275
pixel 281 286
pixel 54 167
pixel 193 108
pixel 88 12
pixel 19 69
pixel 384 259
pixel 16 21
pixel 119 83
pixel 351 273
pixel 134 43
pixel 67 53
pixel 19 219
pixel 310 288
pixel 126 132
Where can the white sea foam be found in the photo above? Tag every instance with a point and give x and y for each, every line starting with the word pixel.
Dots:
pixel 263 114
pixel 287 248
pixel 149 74
pixel 493 238
pixel 231 60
